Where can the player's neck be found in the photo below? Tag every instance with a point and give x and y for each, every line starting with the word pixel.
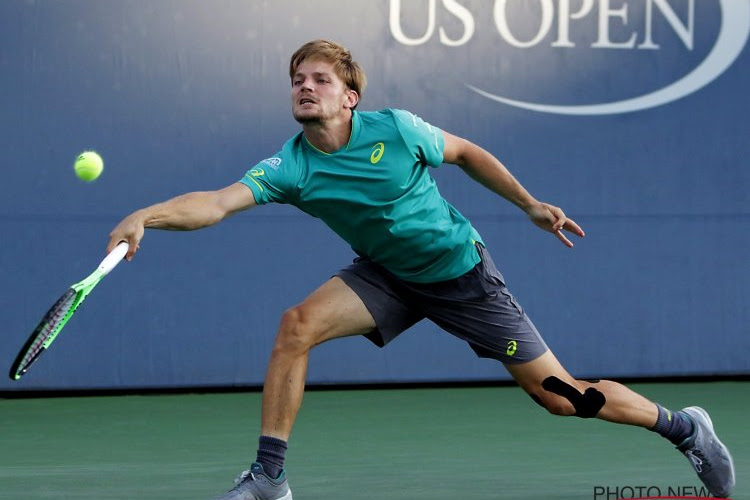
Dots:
pixel 331 135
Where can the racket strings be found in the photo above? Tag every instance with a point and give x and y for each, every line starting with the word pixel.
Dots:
pixel 53 318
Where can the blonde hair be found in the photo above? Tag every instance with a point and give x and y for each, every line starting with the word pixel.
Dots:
pixel 344 66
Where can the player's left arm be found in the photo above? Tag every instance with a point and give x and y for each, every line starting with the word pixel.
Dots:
pixel 484 168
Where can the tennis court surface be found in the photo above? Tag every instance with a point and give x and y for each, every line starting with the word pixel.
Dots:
pixel 401 444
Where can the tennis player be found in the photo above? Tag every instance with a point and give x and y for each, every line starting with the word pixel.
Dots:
pixel 366 175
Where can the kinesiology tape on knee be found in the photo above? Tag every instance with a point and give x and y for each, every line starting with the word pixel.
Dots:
pixel 537 400
pixel 586 405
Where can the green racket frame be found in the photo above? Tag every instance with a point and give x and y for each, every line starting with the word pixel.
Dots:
pixel 61 312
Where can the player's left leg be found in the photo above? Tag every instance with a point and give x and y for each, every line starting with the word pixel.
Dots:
pixel 478 308
pixel 551 386
pixel 691 429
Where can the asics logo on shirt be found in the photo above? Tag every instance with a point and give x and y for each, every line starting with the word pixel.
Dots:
pixel 377 152
pixel 256 172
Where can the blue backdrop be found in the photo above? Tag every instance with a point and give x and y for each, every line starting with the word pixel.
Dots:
pixel 631 115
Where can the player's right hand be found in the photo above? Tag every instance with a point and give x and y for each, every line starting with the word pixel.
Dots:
pixel 130 230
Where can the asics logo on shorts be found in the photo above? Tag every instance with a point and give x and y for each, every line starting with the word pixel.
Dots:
pixel 512 348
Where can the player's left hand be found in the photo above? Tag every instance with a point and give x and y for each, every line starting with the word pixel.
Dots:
pixel 553 219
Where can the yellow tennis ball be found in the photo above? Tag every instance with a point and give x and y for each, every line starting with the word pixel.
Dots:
pixel 88 166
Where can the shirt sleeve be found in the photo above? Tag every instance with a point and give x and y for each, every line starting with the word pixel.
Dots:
pixel 270 180
pixel 426 140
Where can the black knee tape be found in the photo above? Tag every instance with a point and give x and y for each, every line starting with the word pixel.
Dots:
pixel 537 400
pixel 586 405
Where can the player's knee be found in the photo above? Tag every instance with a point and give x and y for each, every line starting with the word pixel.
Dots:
pixel 297 332
pixel 563 398
pixel 556 405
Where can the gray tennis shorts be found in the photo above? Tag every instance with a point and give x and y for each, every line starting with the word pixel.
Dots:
pixel 476 307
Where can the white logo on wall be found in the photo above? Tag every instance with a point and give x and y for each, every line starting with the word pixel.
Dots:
pixel 732 37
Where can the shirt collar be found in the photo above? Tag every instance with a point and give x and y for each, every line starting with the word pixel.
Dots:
pixel 356 126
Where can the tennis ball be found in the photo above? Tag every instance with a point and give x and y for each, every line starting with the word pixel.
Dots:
pixel 88 166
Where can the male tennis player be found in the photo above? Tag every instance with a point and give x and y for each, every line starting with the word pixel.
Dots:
pixel 366 175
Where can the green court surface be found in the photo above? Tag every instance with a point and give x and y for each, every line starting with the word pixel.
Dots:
pixel 397 444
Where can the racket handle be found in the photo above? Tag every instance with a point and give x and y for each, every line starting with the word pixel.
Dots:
pixel 114 258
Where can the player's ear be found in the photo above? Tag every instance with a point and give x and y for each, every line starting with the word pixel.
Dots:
pixel 352 99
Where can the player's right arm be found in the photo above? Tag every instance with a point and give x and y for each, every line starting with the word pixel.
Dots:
pixel 183 213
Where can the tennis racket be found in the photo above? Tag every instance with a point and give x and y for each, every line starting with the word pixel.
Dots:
pixel 60 313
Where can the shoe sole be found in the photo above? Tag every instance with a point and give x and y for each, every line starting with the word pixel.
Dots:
pixel 703 414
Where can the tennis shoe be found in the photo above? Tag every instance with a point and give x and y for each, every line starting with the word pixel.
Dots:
pixel 254 484
pixel 708 456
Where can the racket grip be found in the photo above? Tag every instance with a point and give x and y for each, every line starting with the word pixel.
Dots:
pixel 113 258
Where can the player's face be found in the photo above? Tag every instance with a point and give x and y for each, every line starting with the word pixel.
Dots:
pixel 318 94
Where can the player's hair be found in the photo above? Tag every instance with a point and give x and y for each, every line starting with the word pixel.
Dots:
pixel 345 67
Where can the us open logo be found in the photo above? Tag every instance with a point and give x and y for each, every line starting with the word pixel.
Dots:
pixel 580 57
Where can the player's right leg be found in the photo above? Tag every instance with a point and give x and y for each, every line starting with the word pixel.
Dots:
pixel 333 310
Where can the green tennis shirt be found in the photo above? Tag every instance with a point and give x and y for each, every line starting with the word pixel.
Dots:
pixel 377 194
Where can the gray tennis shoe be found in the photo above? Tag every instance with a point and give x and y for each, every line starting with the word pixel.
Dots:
pixel 708 456
pixel 254 484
